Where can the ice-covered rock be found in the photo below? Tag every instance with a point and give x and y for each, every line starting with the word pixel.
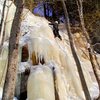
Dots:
pixel 43 47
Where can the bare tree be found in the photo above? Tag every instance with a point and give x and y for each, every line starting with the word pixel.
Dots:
pixel 81 75
pixel 3 35
pixel 1 26
pixel 44 5
pixel 10 81
pixel 90 48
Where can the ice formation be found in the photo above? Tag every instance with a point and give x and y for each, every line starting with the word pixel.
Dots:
pixel 41 84
pixel 51 62
pixel 3 63
pixel 43 47
pixel 8 19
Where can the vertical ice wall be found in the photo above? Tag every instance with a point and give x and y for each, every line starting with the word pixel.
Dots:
pixel 51 52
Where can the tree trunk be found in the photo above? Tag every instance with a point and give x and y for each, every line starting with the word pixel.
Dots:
pixel 81 75
pixel 44 10
pixel 90 48
pixel 10 81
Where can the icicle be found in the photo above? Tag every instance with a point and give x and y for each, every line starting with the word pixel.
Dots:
pixel 40 84
pixel 3 63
